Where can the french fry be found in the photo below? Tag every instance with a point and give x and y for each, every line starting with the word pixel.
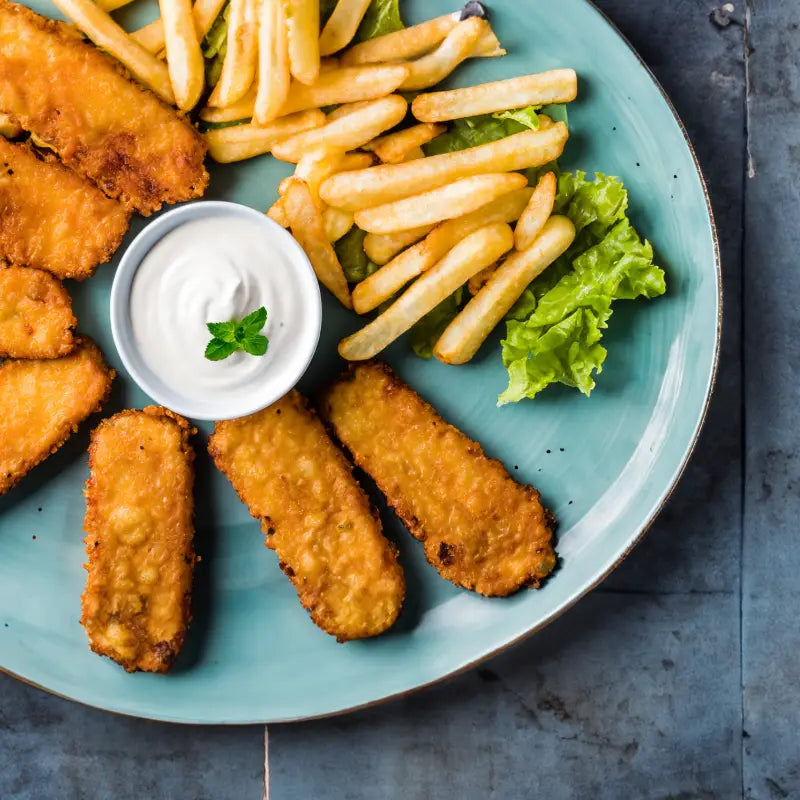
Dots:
pixel 382 247
pixel 277 213
pixel 239 65
pixel 539 208
pixel 302 20
pixel 387 182
pixel 488 46
pixel 204 12
pixel 478 281
pixel 108 36
pixel 404 44
pixel 457 46
pixel 307 227
pixel 453 200
pixel 418 258
pixel 342 25
pixel 414 153
pixel 345 133
pixel 348 85
pixel 273 63
pixel 337 222
pixel 345 109
pixel 555 86
pixel 112 5
pixel 9 128
pixel 245 141
pixel 184 58
pixel 395 147
pixel 477 251
pixel 316 166
pixel 467 332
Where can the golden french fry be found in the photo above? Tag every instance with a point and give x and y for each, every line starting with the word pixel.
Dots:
pixel 9 128
pixel 539 208
pixel 458 45
pixel 108 36
pixel 488 46
pixel 345 109
pixel 204 12
pixel 382 247
pixel 277 213
pixel 317 165
pixel 273 63
pixel 348 85
pixel 453 200
pixel 302 20
pixel 112 5
pixel 418 258
pixel 404 44
pixel 478 250
pixel 478 281
pixel 239 65
pixel 395 147
pixel 337 222
pixel 342 25
pixel 555 86
pixel 345 133
pixel 414 153
pixel 245 141
pixel 184 58
pixel 467 332
pixel 307 227
pixel 387 182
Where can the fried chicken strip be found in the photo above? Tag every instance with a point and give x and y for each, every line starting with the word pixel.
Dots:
pixel 43 401
pixel 292 477
pixel 52 218
pixel 81 103
pixel 139 538
pixel 481 529
pixel 36 318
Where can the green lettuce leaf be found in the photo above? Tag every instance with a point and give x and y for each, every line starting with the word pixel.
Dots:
pixel 382 17
pixel 424 334
pixel 482 129
pixel 215 45
pixel 356 265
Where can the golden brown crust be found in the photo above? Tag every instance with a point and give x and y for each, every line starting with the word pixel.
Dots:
pixel 328 538
pixel 139 538
pixel 100 122
pixel 481 529
pixel 43 401
pixel 52 218
pixel 36 319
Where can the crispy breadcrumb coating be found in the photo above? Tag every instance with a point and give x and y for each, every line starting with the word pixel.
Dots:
pixel 139 538
pixel 481 529
pixel 292 477
pixel 36 318
pixel 105 126
pixel 43 401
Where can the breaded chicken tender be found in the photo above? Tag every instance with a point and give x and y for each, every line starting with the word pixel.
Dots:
pixel 53 219
pixel 481 529
pixel 139 538
pixel 36 318
pixel 105 126
pixel 43 401
pixel 292 477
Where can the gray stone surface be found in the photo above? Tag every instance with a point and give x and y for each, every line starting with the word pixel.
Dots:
pixel 678 677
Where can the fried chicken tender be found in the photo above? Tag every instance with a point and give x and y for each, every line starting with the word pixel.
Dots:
pixel 139 538
pixel 52 218
pixel 35 315
pixel 481 529
pixel 82 103
pixel 292 477
pixel 43 401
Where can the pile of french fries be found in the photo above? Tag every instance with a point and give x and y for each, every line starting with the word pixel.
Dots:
pixel 435 222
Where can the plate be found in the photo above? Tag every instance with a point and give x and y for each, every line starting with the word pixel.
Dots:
pixel 604 465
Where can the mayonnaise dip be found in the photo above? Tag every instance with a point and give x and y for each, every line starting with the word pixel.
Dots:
pixel 215 268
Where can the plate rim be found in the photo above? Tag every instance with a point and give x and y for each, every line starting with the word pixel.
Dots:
pixel 584 590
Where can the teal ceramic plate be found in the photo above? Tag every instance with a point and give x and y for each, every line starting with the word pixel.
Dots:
pixel 604 465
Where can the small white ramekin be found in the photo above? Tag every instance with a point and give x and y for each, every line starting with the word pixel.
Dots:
pixel 204 408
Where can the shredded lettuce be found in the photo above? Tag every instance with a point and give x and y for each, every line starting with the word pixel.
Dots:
pixel 559 342
pixel 215 45
pixel 356 265
pixel 382 17
pixel 425 333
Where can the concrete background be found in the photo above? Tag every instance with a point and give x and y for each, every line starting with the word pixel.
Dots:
pixel 679 676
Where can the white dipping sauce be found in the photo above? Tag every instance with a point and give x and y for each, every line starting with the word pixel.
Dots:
pixel 217 269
